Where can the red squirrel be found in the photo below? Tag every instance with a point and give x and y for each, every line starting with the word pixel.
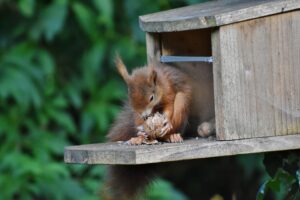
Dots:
pixel 184 94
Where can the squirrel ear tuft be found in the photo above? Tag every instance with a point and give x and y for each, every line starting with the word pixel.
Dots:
pixel 152 75
pixel 122 68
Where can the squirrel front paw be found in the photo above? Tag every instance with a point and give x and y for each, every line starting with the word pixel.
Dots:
pixel 174 138
pixel 136 140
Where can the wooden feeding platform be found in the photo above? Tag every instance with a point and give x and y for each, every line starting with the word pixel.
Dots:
pixel 251 48
pixel 115 153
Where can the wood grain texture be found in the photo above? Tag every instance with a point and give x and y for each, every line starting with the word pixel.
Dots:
pixel 213 14
pixel 218 90
pixel 257 72
pixel 113 153
pixel 153 46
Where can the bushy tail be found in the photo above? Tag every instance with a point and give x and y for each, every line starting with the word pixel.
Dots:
pixel 125 182
pixel 123 128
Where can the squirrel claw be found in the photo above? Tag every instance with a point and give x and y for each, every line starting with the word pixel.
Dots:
pixel 174 138
pixel 142 134
pixel 167 127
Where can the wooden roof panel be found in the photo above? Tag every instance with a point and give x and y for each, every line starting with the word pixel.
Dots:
pixel 213 14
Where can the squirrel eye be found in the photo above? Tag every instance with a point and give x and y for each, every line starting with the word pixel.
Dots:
pixel 151 98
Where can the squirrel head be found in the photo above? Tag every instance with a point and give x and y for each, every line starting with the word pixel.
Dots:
pixel 144 88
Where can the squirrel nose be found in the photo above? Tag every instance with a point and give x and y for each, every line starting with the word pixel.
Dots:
pixel 145 116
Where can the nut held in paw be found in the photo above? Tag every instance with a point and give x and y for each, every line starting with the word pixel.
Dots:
pixel 153 125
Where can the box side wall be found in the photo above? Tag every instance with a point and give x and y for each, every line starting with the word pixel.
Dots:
pixel 257 77
pixel 218 89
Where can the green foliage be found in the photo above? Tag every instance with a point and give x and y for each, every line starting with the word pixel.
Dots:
pixel 58 87
pixel 251 163
pixel 50 20
pixel 163 190
pixel 284 170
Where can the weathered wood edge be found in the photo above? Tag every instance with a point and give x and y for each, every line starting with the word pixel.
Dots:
pixel 153 47
pixel 162 22
pixel 114 153
pixel 218 82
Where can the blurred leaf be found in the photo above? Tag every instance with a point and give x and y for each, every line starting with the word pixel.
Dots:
pixel 8 186
pixel 20 87
pixel 98 171
pixel 274 184
pixel 298 176
pixel 163 190
pixel 64 189
pixel 74 96
pixel 105 7
pixel 64 119
pixel 87 123
pixel 51 20
pixel 46 62
pixel 251 163
pixel 99 112
pixel 92 185
pixel 54 143
pixel 56 168
pixel 91 63
pixel 72 189
pixel 262 191
pixel 217 197
pixel 86 19
pixel 283 169
pixel 27 7
pixel 59 102
pixel 94 56
pixel 78 169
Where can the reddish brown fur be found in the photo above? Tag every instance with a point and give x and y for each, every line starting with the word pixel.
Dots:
pixel 171 89
pixel 173 97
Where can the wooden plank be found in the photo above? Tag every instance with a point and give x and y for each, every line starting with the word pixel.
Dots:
pixel 213 14
pixel 153 46
pixel 114 153
pixel 218 89
pixel 259 73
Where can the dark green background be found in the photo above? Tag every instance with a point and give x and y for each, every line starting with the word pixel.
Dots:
pixel 59 87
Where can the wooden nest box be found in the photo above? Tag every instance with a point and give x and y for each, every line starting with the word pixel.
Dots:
pixel 254 50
